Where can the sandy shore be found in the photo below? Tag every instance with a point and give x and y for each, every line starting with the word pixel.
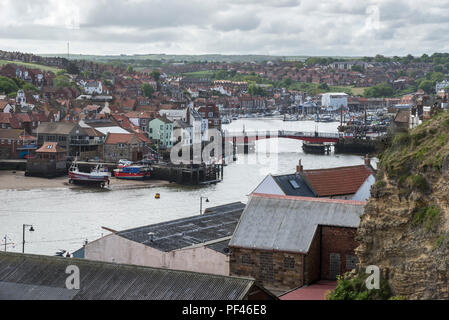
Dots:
pixel 16 180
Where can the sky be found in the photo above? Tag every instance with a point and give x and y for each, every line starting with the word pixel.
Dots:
pixel 278 27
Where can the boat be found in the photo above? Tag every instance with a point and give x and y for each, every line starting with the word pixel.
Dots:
pixel 133 172
pixel 291 118
pixel 98 176
pixel 325 118
pixel 315 148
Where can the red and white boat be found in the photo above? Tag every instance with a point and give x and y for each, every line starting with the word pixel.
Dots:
pixel 133 172
pixel 98 175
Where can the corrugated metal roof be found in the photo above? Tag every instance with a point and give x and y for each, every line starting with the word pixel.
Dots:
pixel 284 223
pixel 43 277
pixel 185 232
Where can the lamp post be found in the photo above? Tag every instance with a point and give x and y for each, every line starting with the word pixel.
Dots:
pixel 201 204
pixel 23 235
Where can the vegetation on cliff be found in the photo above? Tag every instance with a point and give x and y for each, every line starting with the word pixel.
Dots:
pixel 405 227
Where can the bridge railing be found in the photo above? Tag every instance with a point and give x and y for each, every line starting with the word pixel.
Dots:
pixel 283 133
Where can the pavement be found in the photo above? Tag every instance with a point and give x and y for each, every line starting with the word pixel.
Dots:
pixel 316 291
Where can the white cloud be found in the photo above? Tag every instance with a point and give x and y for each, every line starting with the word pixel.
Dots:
pixel 281 27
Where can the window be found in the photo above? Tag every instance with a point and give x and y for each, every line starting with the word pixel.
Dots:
pixel 9 141
pixel 151 130
pixel 211 114
pixel 294 184
pixel 351 262
pixel 246 259
pixel 289 262
pixel 162 127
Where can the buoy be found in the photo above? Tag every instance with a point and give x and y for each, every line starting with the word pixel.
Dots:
pixel 157 196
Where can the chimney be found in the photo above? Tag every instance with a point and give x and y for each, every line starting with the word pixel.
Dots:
pixel 299 167
pixel 367 160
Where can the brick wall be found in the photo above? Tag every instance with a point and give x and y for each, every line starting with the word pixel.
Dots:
pixel 280 270
pixel 339 242
pixel 312 270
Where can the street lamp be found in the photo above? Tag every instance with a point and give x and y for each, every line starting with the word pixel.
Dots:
pixel 201 204
pixel 23 238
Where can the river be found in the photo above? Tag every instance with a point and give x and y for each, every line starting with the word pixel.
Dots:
pixel 64 218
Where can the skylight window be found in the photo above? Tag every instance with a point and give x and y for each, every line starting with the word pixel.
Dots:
pixel 294 184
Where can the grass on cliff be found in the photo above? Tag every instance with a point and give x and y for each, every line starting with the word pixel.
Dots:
pixel 416 152
pixel 427 216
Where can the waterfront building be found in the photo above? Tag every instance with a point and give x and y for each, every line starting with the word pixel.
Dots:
pixel 334 100
pixel 112 281
pixel 50 161
pixel 122 146
pixel 161 130
pixel 198 243
pixel 287 242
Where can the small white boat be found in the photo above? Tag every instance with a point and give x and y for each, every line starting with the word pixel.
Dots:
pixel 98 176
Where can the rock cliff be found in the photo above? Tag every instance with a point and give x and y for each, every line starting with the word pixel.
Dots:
pixel 405 227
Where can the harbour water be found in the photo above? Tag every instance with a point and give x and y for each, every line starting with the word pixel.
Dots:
pixel 64 218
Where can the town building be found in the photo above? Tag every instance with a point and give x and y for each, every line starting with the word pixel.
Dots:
pixel 112 281
pixel 198 243
pixel 161 130
pixel 334 100
pixel 287 242
pixel 122 146
pixel 348 183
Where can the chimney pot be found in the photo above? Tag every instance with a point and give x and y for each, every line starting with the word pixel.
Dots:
pixel 299 167
pixel 367 160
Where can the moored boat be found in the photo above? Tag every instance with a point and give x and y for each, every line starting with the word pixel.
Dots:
pixel 133 172
pixel 98 176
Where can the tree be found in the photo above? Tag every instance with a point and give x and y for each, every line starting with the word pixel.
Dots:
pixel 7 85
pixel 427 85
pixel 148 90
pixel 61 81
pixel 30 87
pixel 156 75
pixel 130 69
pixel 358 68
pixel 379 91
pixel 72 68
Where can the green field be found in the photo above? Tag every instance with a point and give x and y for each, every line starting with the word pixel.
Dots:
pixel 30 65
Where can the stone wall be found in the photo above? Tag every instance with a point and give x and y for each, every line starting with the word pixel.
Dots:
pixel 281 270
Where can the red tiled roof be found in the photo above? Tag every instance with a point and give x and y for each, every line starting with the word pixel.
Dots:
pixel 337 181
pixel 114 138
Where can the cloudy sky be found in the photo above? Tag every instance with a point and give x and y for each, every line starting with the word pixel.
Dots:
pixel 278 27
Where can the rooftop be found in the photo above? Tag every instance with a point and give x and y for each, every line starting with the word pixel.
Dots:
pixel 185 232
pixel 33 277
pixel 337 181
pixel 286 223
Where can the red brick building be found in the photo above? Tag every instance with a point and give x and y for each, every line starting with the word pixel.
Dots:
pixel 287 242
pixel 212 114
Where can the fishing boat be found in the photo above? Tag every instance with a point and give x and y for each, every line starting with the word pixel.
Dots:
pixel 133 172
pixel 98 176
pixel 291 118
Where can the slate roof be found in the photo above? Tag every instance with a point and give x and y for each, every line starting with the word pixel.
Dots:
pixel 285 223
pixel 284 183
pixel 230 207
pixel 36 277
pixel 185 232
pixel 337 181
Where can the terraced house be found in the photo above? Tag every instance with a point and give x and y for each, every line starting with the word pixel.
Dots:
pixel 161 130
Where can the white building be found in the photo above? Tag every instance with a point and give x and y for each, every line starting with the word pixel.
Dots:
pixel 198 243
pixel 441 85
pixel 334 100
pixel 92 87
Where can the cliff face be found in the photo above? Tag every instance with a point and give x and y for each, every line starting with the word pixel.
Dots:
pixel 405 227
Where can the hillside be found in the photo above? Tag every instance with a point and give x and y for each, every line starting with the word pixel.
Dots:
pixel 30 65
pixel 405 227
